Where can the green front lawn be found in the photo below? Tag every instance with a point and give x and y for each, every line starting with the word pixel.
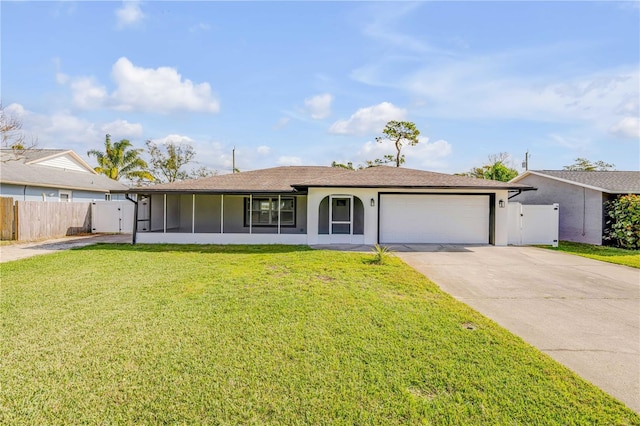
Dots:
pixel 606 254
pixel 114 334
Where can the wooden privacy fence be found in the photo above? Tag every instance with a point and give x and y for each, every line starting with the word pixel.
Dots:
pixel 36 220
pixel 6 218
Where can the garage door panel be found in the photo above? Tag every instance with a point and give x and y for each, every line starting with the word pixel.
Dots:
pixel 419 218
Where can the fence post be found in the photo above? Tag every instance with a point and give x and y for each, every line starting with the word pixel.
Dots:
pixel 16 222
pixel 6 218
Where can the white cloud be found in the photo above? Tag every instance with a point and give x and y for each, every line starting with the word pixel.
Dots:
pixel 319 106
pixel 424 155
pixel 472 93
pixel 64 8
pixel 159 90
pixel 574 143
pixel 281 123
pixel 428 155
pixel 630 106
pixel 129 14
pixel 66 131
pixel 211 154
pixel 87 94
pixel 63 130
pixel 263 150
pixel 15 110
pixel 175 139
pixel 122 129
pixel 287 160
pixel 369 119
pixel 62 78
pixel 492 86
pixel 381 19
pixel 628 127
pixel 70 127
pixel 200 26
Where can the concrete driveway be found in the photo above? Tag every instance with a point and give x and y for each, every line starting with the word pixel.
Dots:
pixel 17 251
pixel 583 313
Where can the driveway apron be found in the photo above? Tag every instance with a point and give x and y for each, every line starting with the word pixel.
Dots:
pixel 25 250
pixel 583 313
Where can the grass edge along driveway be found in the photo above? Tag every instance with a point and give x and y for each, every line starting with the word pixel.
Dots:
pixel 264 335
pixel 615 255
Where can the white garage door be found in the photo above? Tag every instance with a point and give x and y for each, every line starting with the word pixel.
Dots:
pixel 452 219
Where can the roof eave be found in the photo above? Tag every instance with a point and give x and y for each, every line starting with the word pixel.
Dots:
pixel 468 187
pixel 74 188
pixel 571 182
pixel 204 191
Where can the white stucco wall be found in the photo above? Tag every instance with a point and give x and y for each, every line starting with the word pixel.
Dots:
pixel 371 213
pixel 209 238
pixel 501 232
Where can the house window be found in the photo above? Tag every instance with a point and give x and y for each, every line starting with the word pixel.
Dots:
pixel 263 211
pixel 107 197
pixel 64 196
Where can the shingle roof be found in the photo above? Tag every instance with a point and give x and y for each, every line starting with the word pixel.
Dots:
pixel 17 171
pixel 291 178
pixel 36 154
pixel 276 179
pixel 612 182
pixel 397 177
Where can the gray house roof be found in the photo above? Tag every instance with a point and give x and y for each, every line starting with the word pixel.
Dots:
pixel 399 177
pixel 292 178
pixel 612 182
pixel 276 179
pixel 26 170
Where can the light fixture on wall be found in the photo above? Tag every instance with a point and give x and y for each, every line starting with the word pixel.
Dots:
pixel 501 204
pixel 373 202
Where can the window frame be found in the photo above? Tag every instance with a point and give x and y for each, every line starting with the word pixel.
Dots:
pixel 65 193
pixel 273 200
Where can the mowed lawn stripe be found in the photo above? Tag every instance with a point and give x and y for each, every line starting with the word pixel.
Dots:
pixel 115 334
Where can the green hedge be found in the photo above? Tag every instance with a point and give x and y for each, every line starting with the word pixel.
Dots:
pixel 624 221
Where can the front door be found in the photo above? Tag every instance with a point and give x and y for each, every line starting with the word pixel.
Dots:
pixel 341 216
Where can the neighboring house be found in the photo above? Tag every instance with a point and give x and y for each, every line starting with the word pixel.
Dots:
pixel 325 205
pixel 581 196
pixel 52 175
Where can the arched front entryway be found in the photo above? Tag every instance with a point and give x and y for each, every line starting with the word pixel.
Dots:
pixel 341 217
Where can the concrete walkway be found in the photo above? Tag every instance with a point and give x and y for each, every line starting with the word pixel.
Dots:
pixel 583 313
pixel 17 251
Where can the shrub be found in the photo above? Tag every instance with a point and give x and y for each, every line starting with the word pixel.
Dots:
pixel 624 224
pixel 380 254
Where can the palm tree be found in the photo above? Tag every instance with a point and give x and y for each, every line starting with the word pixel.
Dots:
pixel 120 161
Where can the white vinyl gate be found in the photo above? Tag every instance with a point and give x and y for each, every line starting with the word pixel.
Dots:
pixel 533 224
pixel 112 216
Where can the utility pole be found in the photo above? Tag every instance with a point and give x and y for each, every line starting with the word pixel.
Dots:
pixel 233 159
pixel 525 164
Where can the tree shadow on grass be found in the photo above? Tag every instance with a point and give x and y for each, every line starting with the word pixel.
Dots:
pixel 199 248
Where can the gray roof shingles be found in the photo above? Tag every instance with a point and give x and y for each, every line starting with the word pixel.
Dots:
pixel 613 182
pixel 291 178
pixel 276 179
pixel 16 171
pixel 397 177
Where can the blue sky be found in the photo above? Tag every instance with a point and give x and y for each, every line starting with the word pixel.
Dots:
pixel 291 83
